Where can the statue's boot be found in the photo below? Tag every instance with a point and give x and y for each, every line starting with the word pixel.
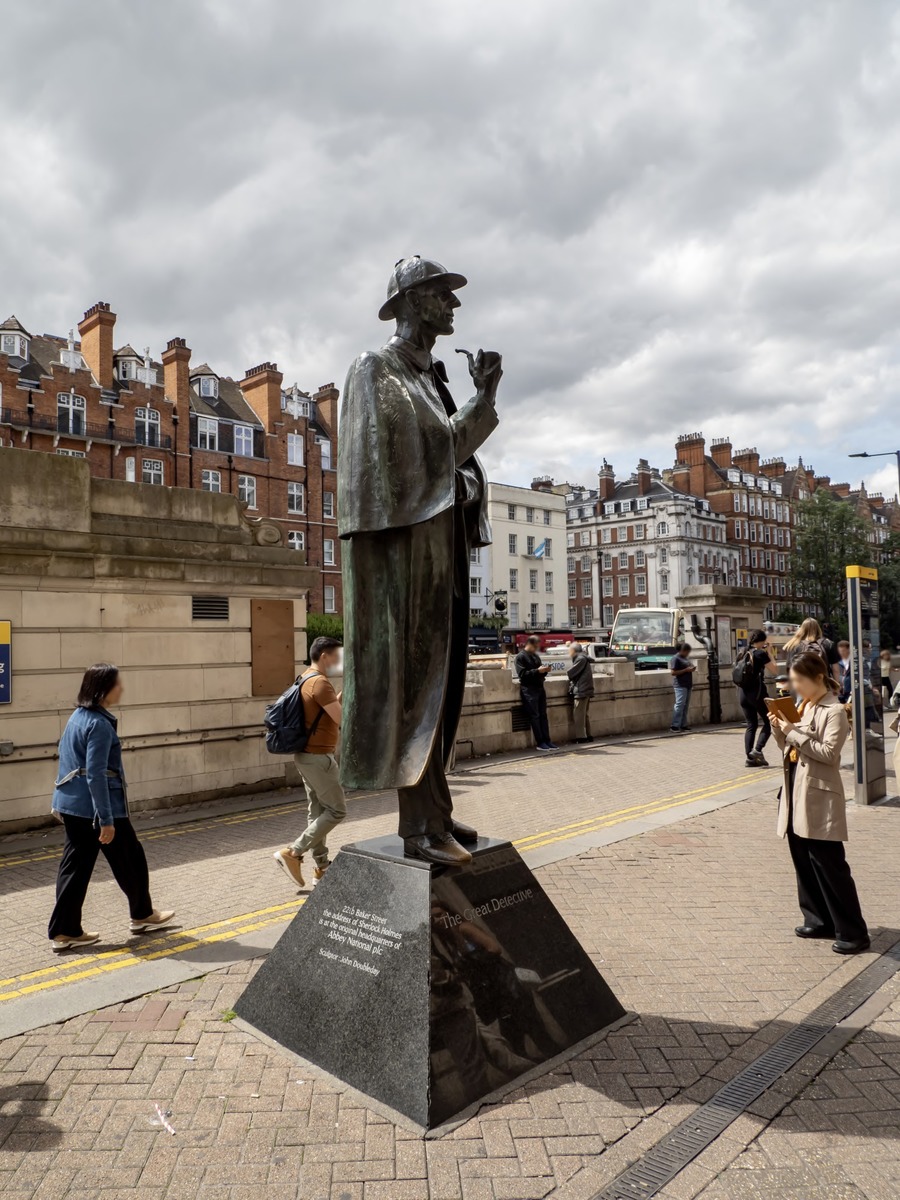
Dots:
pixel 441 848
pixel 462 833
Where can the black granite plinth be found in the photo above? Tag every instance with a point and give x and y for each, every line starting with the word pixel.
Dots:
pixel 428 988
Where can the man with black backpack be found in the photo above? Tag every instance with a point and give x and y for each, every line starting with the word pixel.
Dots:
pixel 316 761
pixel 749 673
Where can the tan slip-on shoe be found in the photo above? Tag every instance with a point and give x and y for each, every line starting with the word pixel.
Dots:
pixel 63 942
pixel 155 921
pixel 290 865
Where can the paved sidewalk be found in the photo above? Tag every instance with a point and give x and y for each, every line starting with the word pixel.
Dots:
pixel 692 924
pixel 217 870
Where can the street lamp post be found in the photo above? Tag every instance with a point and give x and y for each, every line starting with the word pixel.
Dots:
pixel 882 454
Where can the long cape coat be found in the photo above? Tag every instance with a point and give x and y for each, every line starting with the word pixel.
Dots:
pixel 411 503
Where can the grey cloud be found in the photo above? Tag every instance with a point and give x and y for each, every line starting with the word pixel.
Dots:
pixel 672 216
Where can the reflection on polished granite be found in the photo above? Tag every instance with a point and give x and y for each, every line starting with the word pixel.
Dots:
pixel 426 987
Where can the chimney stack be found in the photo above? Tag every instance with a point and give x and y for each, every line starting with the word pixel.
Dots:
pixel 773 468
pixel 644 476
pixel 720 449
pixel 176 362
pixel 326 398
pixel 747 460
pixel 96 329
pixel 681 478
pixel 841 489
pixel 606 482
pixel 262 391
pixel 691 449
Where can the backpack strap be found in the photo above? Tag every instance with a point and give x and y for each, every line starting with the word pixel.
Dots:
pixel 301 679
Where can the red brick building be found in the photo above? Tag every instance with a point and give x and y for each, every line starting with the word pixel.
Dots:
pixel 166 424
pixel 759 497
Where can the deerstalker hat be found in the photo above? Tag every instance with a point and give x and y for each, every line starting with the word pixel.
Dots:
pixel 409 273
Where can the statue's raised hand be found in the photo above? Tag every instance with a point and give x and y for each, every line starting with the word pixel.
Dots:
pixel 486 371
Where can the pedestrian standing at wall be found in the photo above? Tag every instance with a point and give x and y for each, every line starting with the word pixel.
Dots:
pixel 317 763
pixel 531 673
pixel 581 689
pixel 812 809
pixel 91 798
pixel 885 659
pixel 760 659
pixel 683 678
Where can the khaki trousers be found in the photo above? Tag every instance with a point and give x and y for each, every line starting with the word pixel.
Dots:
pixel 582 704
pixel 327 804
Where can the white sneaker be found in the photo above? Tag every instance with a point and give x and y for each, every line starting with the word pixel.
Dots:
pixel 63 942
pixel 155 921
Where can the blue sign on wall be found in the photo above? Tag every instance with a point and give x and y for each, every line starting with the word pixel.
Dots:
pixel 5 662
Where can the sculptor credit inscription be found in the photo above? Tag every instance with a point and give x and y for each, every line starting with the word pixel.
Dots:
pixel 351 931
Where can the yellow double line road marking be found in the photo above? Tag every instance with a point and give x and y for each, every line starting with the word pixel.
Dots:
pixel 152 835
pixel 576 829
pixel 88 965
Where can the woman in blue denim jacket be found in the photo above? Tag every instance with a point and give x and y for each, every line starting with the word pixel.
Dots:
pixel 91 799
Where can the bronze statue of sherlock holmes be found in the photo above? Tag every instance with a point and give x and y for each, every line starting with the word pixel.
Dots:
pixel 411 506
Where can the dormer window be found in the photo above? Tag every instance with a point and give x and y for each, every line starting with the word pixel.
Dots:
pixel 127 368
pixel 209 386
pixel 15 345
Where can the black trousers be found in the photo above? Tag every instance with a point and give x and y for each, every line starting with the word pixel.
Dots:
pixel 535 703
pixel 755 714
pixel 126 859
pixel 825 888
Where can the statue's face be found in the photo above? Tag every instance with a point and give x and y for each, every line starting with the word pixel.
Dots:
pixel 433 305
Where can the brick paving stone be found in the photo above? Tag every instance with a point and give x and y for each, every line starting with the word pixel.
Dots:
pixel 694 932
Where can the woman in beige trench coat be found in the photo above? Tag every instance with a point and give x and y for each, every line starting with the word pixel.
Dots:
pixel 812 809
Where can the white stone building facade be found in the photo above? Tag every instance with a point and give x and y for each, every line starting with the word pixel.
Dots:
pixel 526 559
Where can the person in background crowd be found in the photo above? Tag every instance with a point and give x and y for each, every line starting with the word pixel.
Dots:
pixel 812 808
pixel 753 699
pixel 885 659
pixel 90 797
pixel 317 763
pixel 871 697
pixel 581 688
pixel 683 678
pixel 845 677
pixel 810 637
pixel 532 673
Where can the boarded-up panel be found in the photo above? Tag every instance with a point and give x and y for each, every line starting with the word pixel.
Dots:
pixel 271 646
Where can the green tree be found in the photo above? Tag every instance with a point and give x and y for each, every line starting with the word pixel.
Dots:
pixel 889 591
pixel 790 615
pixel 323 625
pixel 829 537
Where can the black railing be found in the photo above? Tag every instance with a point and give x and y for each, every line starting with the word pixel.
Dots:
pixel 71 425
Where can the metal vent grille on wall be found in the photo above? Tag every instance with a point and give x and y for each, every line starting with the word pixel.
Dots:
pixel 209 608
pixel 520 719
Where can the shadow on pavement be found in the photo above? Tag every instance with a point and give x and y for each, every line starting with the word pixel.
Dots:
pixel 22 1128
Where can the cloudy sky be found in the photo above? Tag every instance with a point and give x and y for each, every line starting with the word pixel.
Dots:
pixel 674 214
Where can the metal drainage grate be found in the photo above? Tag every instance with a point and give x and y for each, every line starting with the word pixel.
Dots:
pixel 659 1166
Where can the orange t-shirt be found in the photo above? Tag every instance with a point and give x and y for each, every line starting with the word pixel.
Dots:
pixel 317 692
